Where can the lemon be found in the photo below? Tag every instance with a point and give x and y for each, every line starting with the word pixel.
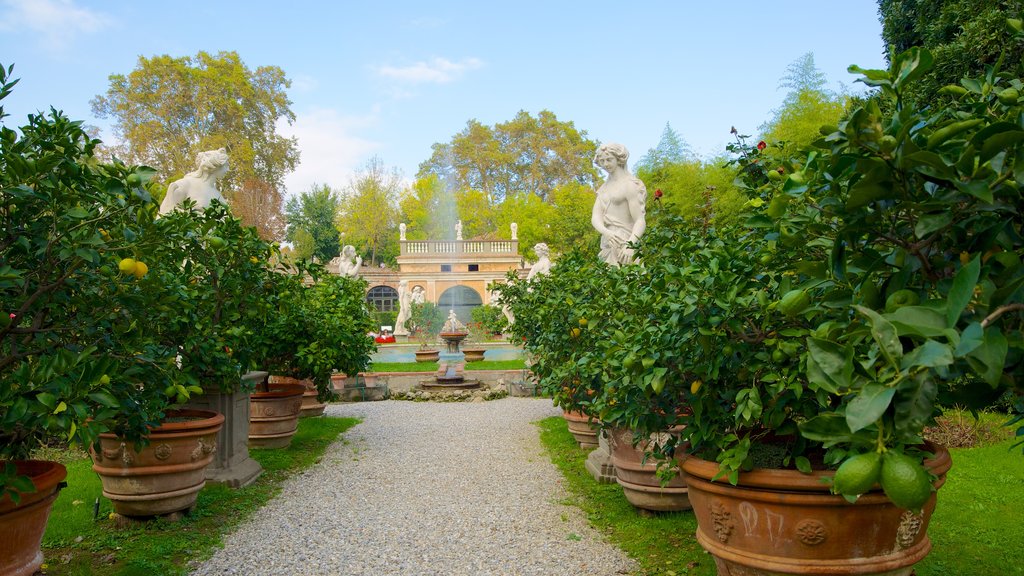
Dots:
pixel 141 269
pixel 794 302
pixel 127 266
pixel 905 481
pixel 695 386
pixel 1009 96
pixel 777 207
pixel 901 298
pixel 583 321
pixel 857 474
pixel 104 380
pixel 575 332
pixel 216 242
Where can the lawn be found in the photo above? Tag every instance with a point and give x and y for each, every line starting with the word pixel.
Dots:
pixel 432 366
pixel 76 544
pixel 975 531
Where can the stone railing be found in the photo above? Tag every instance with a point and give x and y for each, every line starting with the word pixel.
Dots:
pixel 455 247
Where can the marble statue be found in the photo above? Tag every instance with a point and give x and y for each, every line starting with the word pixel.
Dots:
pixel 419 295
pixel 458 230
pixel 404 308
pixel 349 263
pixel 401 231
pixel 515 231
pixel 619 214
pixel 543 263
pixel 452 324
pixel 200 185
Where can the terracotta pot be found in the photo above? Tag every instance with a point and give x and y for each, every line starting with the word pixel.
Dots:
pixel 168 473
pixel 784 522
pixel 310 405
pixel 274 415
pixel 474 354
pixel 583 428
pixel 22 525
pixel 639 479
pixel 428 355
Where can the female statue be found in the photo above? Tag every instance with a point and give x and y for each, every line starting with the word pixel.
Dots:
pixel 199 185
pixel 619 214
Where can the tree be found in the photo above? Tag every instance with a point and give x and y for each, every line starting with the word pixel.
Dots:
pixel 259 205
pixel 670 149
pixel 368 218
pixel 807 107
pixel 964 37
pixel 428 208
pixel 311 217
pixel 169 109
pixel 525 155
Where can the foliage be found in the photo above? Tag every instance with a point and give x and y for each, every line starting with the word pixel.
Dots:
pixel 964 36
pixel 425 321
pixel 671 149
pixel 554 316
pixel 311 216
pixel 167 110
pixel 368 214
pixel 525 155
pixel 317 327
pixel 76 543
pixel 490 318
pixel 694 186
pixel 75 334
pixel 216 312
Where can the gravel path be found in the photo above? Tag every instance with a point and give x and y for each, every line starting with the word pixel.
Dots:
pixel 425 488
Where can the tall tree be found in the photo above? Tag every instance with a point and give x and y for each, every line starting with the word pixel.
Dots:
pixel 807 107
pixel 526 155
pixel 671 148
pixel 311 216
pixel 259 204
pixel 368 218
pixel 429 209
pixel 169 109
pixel 964 36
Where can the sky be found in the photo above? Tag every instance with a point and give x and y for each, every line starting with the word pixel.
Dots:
pixel 389 79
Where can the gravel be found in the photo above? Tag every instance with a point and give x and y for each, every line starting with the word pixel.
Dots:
pixel 425 488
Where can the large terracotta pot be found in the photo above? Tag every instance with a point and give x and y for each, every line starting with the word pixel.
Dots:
pixel 168 473
pixel 639 479
pixel 428 355
pixel 783 522
pixel 583 428
pixel 311 406
pixel 474 354
pixel 22 525
pixel 274 415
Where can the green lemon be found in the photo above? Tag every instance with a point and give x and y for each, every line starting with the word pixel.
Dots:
pixel 1008 96
pixel 857 474
pixel 777 207
pixel 104 380
pixel 774 175
pixel 901 298
pixel 905 481
pixel 794 302
pixel 217 242
pixel 887 143
pixel 133 180
pixel 779 355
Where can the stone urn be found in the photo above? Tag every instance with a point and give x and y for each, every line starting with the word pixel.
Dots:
pixel 785 522
pixel 274 415
pixel 168 473
pixel 474 354
pixel 427 355
pixel 583 428
pixel 639 478
pixel 22 524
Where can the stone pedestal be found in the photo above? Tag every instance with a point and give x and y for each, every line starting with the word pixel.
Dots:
pixel 599 461
pixel 231 464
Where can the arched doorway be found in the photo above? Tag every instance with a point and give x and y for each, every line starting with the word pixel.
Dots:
pixel 462 299
pixel 383 298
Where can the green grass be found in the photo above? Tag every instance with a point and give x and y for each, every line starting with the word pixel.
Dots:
pixel 163 547
pixel 663 545
pixel 975 530
pixel 432 366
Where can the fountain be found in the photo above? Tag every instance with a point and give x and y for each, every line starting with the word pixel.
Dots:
pixel 451 364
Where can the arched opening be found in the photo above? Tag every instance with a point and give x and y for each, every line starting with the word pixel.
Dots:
pixel 383 298
pixel 462 299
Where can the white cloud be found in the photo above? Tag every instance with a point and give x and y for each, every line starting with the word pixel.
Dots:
pixel 305 83
pixel 54 23
pixel 436 70
pixel 330 151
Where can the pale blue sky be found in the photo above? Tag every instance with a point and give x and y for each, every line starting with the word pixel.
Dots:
pixel 390 78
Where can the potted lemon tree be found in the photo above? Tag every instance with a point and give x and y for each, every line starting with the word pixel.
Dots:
pixel 876 279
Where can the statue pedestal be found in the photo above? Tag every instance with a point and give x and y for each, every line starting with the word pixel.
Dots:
pixel 599 461
pixel 231 464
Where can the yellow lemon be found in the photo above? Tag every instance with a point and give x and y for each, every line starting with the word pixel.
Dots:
pixel 695 386
pixel 127 266
pixel 141 269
